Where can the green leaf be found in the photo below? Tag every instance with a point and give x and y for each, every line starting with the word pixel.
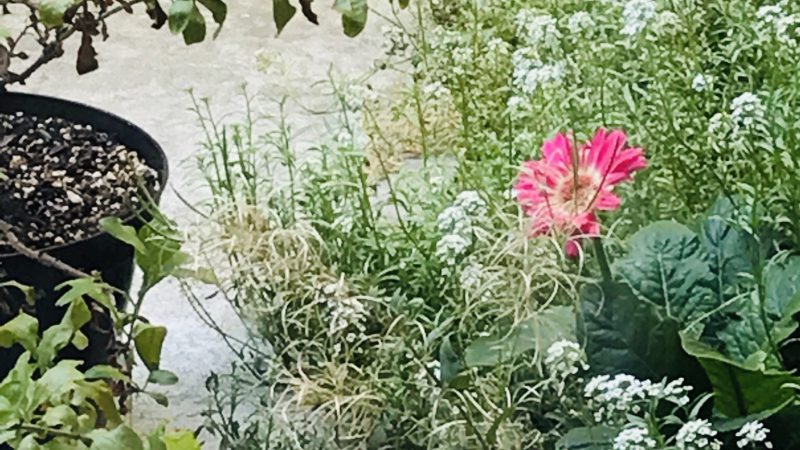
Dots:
pixel 537 333
pixel 354 15
pixel 195 30
pixel 51 12
pixel 449 362
pixel 60 415
pixel 23 330
pixel 162 377
pixel 121 437
pixel 740 388
pixel 28 291
pixel 101 372
pixel 58 336
pixel 668 266
pixel 587 438
pixel 181 440
pixel 282 13
pixel 219 10
pixel 626 334
pixel 782 289
pixel 163 256
pixel 4 33
pixel 86 287
pixel 732 250
pixel 159 398
pixel 122 232
pixel 179 13
pixel 149 340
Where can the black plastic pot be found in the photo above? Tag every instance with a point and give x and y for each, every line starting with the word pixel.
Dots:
pixel 100 252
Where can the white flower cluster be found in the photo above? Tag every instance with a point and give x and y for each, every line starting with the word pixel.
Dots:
pixel 697 435
pixel 774 19
pixel 497 47
pixel 396 42
pixel 637 14
pixel 635 438
pixel 471 277
pixel 345 311
pixel 753 434
pixel 615 397
pixel 667 23
pixel 581 22
pixel 565 358
pixel 531 74
pixel 746 110
pixel 538 30
pixel 357 95
pixel 435 90
pixel 462 57
pixel 457 224
pixel 701 82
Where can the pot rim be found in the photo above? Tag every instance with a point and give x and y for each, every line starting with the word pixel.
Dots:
pixel 163 173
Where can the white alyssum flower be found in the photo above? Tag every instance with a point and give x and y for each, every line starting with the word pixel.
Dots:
pixel 451 247
pixel 697 435
pixel 753 433
pixel 435 90
pixel 472 203
pixel 345 311
pixel 355 96
pixel 454 220
pixel 532 74
pixel 769 15
pixel 581 22
pixel 471 277
pixel 615 397
pixel 565 358
pixel 701 81
pixel 746 110
pixel 667 23
pixel 716 125
pixel 636 15
pixel 497 47
pixel 635 438
pixel 538 30
pixel 787 30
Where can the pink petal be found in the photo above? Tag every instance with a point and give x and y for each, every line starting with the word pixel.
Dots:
pixel 607 201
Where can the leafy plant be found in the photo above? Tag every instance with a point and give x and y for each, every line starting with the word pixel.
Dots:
pixel 712 297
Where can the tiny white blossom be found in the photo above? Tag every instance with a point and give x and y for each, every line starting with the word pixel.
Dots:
pixel 531 74
pixel 435 90
pixel 636 15
pixel 454 220
pixel 636 438
pixel 450 248
pixel 565 358
pixel 787 30
pixel 769 14
pixel 538 30
pixel 697 435
pixel 667 23
pixel 580 22
pixel 753 433
pixel 471 202
pixel 746 110
pixel 471 277
pixel 701 81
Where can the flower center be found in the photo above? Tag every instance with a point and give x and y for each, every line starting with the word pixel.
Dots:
pixel 577 193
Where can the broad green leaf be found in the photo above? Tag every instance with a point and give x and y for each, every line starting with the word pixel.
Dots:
pixel 162 377
pixel 195 30
pixel 51 12
pixel 587 438
pixel 159 398
pixel 740 388
pixel 101 394
pixel 626 334
pixel 282 13
pixel 149 340
pixel 179 14
pixel 537 333
pixel 449 362
pixel 23 330
pixel 354 15
pixel 731 249
pixel 58 336
pixel 181 440
pixel 60 378
pixel 668 266
pixel 782 286
pixel 122 232
pixel 60 415
pixel 163 256
pixel 219 10
pixel 121 437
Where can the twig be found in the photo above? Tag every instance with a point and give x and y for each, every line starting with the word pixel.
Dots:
pixel 38 256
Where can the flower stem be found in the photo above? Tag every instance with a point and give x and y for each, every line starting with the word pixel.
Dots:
pixel 602 259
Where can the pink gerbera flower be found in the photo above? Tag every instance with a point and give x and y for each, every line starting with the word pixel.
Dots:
pixel 563 189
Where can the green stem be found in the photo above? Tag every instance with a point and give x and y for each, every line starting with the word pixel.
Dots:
pixel 602 258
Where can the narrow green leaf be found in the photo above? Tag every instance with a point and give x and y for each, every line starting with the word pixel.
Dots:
pixel 179 14
pixel 587 438
pixel 163 377
pixel 449 362
pixel 181 440
pixel 105 372
pixel 195 30
pixel 218 8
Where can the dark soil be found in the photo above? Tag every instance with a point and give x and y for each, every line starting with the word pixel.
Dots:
pixel 59 178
